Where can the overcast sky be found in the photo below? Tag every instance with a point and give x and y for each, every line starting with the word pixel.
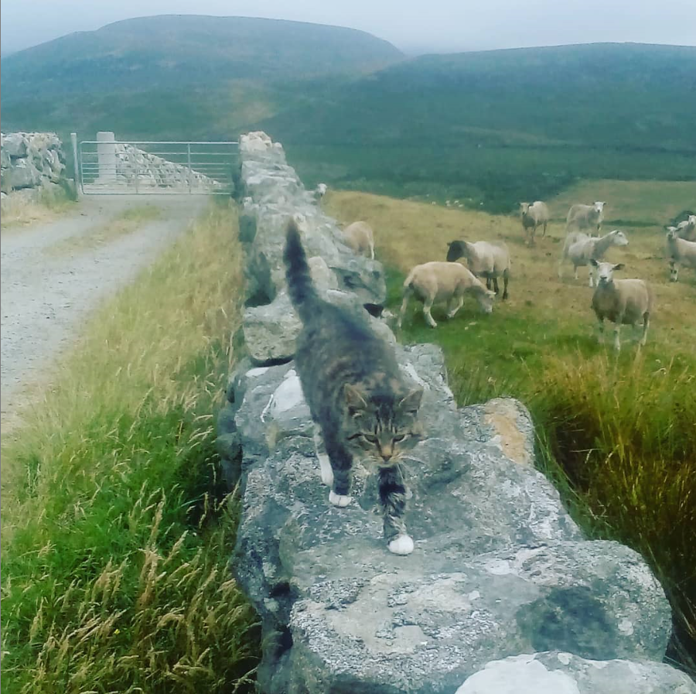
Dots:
pixel 414 27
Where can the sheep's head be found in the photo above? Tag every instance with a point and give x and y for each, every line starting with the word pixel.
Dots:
pixel 605 271
pixel 618 238
pixel 456 250
pixel 486 299
pixel 599 206
pixel 672 233
pixel 524 208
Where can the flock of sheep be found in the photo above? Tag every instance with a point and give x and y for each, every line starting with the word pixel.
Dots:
pixel 621 301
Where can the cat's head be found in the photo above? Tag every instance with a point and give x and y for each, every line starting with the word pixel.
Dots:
pixel 381 426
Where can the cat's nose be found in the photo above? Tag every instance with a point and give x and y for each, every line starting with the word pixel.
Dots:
pixel 387 454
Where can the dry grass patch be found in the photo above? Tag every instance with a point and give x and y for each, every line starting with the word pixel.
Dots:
pixel 122 224
pixel 19 212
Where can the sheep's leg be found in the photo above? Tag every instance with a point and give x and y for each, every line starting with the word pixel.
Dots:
pixel 591 276
pixel 544 233
pixel 646 325
pixel 427 305
pixel 576 271
pixel 673 271
pixel 495 285
pixel 506 278
pixel 404 306
pixel 532 242
pixel 372 251
pixel 600 339
pixel 617 336
pixel 488 283
pixel 457 302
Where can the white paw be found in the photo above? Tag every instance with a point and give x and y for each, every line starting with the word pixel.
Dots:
pixel 401 545
pixel 339 500
pixel 327 477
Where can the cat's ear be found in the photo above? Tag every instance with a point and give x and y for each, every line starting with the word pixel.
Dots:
pixel 412 401
pixel 354 398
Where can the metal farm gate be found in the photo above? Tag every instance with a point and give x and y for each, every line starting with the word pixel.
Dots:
pixel 107 166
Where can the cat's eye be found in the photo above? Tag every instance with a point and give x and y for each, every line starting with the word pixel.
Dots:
pixel 370 438
pixel 401 437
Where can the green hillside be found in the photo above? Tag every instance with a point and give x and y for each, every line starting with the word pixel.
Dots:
pixel 498 126
pixel 485 128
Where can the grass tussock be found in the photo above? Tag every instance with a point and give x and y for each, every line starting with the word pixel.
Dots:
pixel 616 432
pixel 122 224
pixel 115 542
pixel 20 211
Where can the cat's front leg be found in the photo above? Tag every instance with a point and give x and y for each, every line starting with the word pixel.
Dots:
pixel 392 495
pixel 327 476
pixel 341 462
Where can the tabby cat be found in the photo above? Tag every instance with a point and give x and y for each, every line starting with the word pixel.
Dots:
pixel 358 401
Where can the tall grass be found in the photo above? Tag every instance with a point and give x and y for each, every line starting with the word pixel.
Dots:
pixel 615 432
pixel 115 538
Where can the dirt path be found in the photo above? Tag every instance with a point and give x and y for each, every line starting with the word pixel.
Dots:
pixel 46 296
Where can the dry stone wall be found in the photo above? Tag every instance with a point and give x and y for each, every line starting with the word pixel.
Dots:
pixel 33 163
pixel 501 589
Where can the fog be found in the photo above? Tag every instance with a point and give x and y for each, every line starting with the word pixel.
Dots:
pixel 435 26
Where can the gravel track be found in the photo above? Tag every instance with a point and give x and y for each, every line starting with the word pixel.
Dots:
pixel 46 298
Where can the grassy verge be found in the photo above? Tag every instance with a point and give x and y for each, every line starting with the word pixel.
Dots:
pixel 115 543
pixel 19 211
pixel 615 433
pixel 122 224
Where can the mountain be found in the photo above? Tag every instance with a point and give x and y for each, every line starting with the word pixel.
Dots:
pixel 170 51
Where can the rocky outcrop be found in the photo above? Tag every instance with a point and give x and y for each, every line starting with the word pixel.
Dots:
pixel 32 161
pixel 499 566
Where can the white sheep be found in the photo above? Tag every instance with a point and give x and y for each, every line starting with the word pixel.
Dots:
pixel 623 302
pixel 533 215
pixel 581 249
pixel 680 252
pixel 438 282
pixel 360 237
pixel 320 191
pixel 484 260
pixel 687 229
pixel 586 216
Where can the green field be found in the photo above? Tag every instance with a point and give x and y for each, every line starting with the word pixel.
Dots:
pixel 615 432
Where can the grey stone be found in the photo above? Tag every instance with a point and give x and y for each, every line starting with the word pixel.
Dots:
pixel 565 673
pixel 22 174
pixel 15 144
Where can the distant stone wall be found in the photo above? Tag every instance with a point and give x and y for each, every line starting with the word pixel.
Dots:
pixel 154 171
pixel 123 166
pixel 502 593
pixel 32 162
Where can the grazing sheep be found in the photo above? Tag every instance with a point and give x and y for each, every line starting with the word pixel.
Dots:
pixel 680 252
pixel 320 191
pixel 687 229
pixel 581 249
pixel 623 302
pixel 437 282
pixel 360 238
pixel 586 216
pixel 484 260
pixel 533 216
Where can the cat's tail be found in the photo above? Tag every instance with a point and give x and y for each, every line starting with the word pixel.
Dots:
pixel 302 292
